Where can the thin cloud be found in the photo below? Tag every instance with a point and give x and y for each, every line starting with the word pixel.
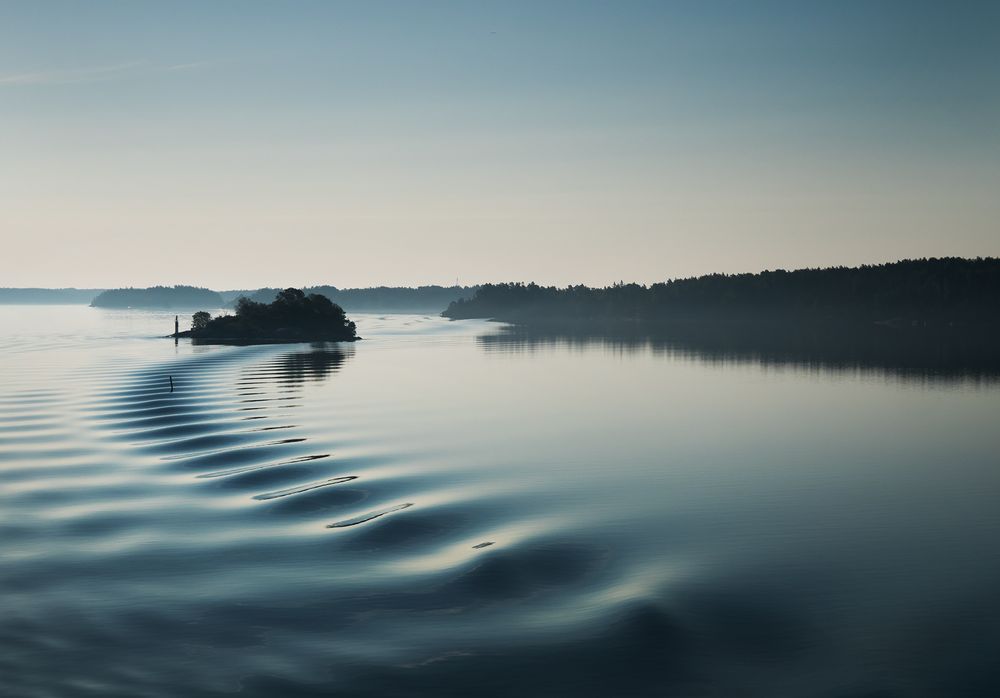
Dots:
pixel 69 77
pixel 186 66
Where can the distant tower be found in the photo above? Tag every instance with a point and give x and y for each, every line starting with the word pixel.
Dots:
pixel 177 326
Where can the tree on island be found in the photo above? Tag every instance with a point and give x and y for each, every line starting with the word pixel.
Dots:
pixel 200 320
pixel 293 316
pixel 381 299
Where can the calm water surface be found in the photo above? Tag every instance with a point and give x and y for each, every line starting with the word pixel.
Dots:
pixel 451 509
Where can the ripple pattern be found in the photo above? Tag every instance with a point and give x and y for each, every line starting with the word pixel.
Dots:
pixel 196 473
pixel 427 513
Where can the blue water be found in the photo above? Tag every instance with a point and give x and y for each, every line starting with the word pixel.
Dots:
pixel 448 509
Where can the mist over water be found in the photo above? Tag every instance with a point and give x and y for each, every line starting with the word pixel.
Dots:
pixel 454 508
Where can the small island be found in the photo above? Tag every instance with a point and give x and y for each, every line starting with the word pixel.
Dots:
pixel 292 317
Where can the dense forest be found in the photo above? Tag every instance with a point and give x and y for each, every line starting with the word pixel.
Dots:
pixel 159 297
pixel 947 291
pixel 379 299
pixel 293 316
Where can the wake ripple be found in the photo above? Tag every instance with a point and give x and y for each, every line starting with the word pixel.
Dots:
pixel 255 528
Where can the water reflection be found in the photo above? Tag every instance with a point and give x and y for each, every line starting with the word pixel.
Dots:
pixel 899 352
pixel 437 520
pixel 293 369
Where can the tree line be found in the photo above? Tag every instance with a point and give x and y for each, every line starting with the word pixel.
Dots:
pixel 938 291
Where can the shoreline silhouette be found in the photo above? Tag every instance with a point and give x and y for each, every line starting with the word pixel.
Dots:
pixel 945 292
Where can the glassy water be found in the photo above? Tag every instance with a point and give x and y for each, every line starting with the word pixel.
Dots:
pixel 458 509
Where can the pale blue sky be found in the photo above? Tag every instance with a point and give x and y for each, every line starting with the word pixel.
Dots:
pixel 238 144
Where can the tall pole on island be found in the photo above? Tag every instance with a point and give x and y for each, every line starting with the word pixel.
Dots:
pixel 177 327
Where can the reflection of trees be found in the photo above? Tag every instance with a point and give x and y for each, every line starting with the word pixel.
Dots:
pixel 298 367
pixel 908 353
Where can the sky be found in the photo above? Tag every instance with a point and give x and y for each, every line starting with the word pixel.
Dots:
pixel 243 144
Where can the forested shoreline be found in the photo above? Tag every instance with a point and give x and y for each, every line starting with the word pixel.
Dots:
pixel 938 292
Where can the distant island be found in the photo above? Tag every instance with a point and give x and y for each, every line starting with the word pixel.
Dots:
pixel 378 299
pixel 159 297
pixel 293 316
pixel 48 296
pixel 945 292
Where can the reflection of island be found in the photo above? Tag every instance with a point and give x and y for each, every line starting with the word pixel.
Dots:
pixel 902 352
pixel 314 365
pixel 292 317
pixel 294 369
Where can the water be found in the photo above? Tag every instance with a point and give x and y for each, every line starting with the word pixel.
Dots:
pixel 455 509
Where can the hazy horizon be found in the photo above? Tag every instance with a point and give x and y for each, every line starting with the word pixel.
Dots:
pixel 235 144
pixel 463 284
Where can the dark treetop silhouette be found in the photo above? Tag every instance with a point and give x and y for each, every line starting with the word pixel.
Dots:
pixel 292 317
pixel 379 299
pixel 926 292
